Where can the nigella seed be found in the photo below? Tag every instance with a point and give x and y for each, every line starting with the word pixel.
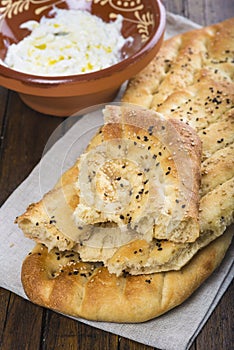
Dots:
pixel 121 217
pixel 145 182
pixel 148 281
pixel 149 147
pixel 138 137
pixel 80 227
pixel 37 223
pixel 159 153
pixel 150 128
pixel 137 196
pixel 146 138
pixel 146 192
pixel 160 248
pixel 222 219
pixel 118 178
pixel 220 141
pixel 135 143
pixel 139 174
pixel 57 238
pixel 75 272
pixel 167 173
pixel 52 222
pixel 135 251
pixel 154 156
pixel 183 206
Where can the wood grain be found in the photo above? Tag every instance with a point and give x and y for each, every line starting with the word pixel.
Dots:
pixel 22 138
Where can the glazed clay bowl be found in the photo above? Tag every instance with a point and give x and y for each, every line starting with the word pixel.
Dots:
pixel 144 20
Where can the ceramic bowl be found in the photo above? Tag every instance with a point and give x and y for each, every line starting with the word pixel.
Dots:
pixel 144 20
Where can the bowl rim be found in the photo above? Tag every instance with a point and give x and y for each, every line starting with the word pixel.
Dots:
pixel 31 79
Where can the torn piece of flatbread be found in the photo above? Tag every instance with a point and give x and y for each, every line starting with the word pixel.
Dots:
pixel 60 281
pixel 138 152
pixel 143 177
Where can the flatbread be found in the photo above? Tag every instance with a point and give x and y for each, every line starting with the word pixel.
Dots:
pixel 190 80
pixel 59 281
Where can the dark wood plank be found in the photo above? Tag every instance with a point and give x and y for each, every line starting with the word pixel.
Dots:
pixel 126 344
pixel 22 325
pixel 217 11
pixel 203 12
pixel 4 300
pixel 176 6
pixel 218 331
pixel 24 137
pixel 63 333
pixel 3 106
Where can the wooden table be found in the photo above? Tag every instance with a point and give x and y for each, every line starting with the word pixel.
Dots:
pixel 24 133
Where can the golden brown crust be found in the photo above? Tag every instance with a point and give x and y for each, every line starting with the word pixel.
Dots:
pixel 183 61
pixel 63 283
pixel 190 80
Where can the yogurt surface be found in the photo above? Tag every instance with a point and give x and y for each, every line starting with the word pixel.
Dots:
pixel 72 42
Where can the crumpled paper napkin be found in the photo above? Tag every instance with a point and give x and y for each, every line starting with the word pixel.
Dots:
pixel 175 330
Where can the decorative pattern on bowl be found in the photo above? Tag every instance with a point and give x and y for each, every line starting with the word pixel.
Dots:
pixel 143 18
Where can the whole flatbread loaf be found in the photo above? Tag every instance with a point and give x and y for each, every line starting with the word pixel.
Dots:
pixel 190 80
pixel 60 281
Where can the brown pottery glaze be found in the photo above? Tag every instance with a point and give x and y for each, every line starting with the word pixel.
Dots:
pixel 144 20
